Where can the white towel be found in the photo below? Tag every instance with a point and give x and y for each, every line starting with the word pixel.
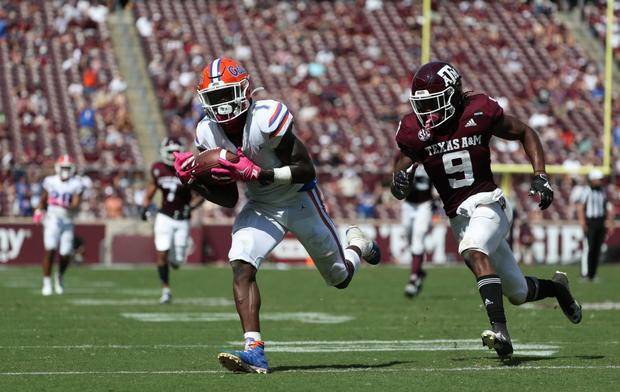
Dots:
pixel 467 207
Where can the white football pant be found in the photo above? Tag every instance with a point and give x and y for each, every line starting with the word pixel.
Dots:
pixel 485 231
pixel 259 227
pixel 172 233
pixel 416 219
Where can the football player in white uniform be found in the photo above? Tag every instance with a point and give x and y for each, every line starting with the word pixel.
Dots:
pixel 282 196
pixel 60 199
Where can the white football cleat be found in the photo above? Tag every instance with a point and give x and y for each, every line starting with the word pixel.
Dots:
pixel 370 250
pixel 58 285
pixel 46 291
pixel 166 296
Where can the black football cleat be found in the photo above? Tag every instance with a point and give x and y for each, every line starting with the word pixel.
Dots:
pixel 570 307
pixel 497 338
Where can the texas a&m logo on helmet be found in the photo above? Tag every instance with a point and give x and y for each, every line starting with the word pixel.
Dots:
pixel 224 90
pixel 435 93
pixel 168 147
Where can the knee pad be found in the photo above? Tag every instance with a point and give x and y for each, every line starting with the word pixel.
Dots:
pixel 517 299
pixel 519 296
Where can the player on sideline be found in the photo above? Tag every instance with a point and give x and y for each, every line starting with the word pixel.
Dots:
pixel 282 196
pixel 61 198
pixel 449 133
pixel 416 214
pixel 172 222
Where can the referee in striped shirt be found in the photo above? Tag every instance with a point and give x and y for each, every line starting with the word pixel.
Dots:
pixel 595 217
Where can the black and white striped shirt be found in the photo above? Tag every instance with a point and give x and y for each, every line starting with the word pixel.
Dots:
pixel 595 203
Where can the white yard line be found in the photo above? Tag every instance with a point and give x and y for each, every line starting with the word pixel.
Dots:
pixel 110 346
pixel 203 301
pixel 607 305
pixel 303 317
pixel 345 370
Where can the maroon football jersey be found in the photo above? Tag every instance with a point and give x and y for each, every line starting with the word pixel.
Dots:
pixel 176 197
pixel 458 161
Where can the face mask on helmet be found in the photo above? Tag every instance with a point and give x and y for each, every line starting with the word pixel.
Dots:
pixel 65 171
pixel 225 102
pixel 432 109
pixel 167 151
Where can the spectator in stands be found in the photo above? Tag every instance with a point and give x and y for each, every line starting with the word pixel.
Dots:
pixel 2 24
pixel 22 193
pixel 87 118
pixel 144 26
pixel 366 204
pixel 89 80
pixel 349 184
pixel 113 204
pixel 568 138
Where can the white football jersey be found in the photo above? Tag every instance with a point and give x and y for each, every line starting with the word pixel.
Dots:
pixel 60 193
pixel 267 121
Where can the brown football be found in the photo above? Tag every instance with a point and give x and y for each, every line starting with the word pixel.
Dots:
pixel 207 160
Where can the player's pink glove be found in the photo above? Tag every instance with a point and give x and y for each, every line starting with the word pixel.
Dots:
pixel 244 170
pixel 38 216
pixel 183 164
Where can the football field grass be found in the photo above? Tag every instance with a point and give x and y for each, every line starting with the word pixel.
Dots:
pixel 108 333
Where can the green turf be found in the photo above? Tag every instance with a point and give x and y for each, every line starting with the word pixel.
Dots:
pixel 109 352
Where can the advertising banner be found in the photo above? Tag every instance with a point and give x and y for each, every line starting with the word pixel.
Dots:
pixel 22 244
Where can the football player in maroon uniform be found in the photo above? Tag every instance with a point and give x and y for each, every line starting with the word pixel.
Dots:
pixel 416 215
pixel 172 226
pixel 449 133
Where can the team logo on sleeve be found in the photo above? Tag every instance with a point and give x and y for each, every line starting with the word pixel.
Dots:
pixel 424 134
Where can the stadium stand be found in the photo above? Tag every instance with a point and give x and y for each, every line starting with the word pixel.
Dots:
pixel 594 13
pixel 343 68
pixel 61 93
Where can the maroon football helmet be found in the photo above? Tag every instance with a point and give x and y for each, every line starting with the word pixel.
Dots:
pixel 168 147
pixel 435 93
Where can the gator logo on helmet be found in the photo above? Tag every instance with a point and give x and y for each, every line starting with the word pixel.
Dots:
pixel 236 71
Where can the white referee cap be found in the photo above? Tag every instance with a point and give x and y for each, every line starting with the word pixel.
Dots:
pixel 595 175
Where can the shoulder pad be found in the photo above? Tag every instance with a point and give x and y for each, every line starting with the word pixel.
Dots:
pixel 273 117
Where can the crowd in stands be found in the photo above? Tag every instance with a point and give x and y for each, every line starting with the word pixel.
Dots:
pixel 342 67
pixel 61 92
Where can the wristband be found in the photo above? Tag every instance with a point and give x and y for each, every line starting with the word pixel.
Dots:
pixel 282 175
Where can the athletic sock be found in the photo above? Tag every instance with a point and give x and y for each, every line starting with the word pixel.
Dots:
pixel 252 335
pixel 490 287
pixel 538 289
pixel 163 274
pixel 47 281
pixel 353 257
pixel 250 338
pixel 416 265
pixel 63 265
